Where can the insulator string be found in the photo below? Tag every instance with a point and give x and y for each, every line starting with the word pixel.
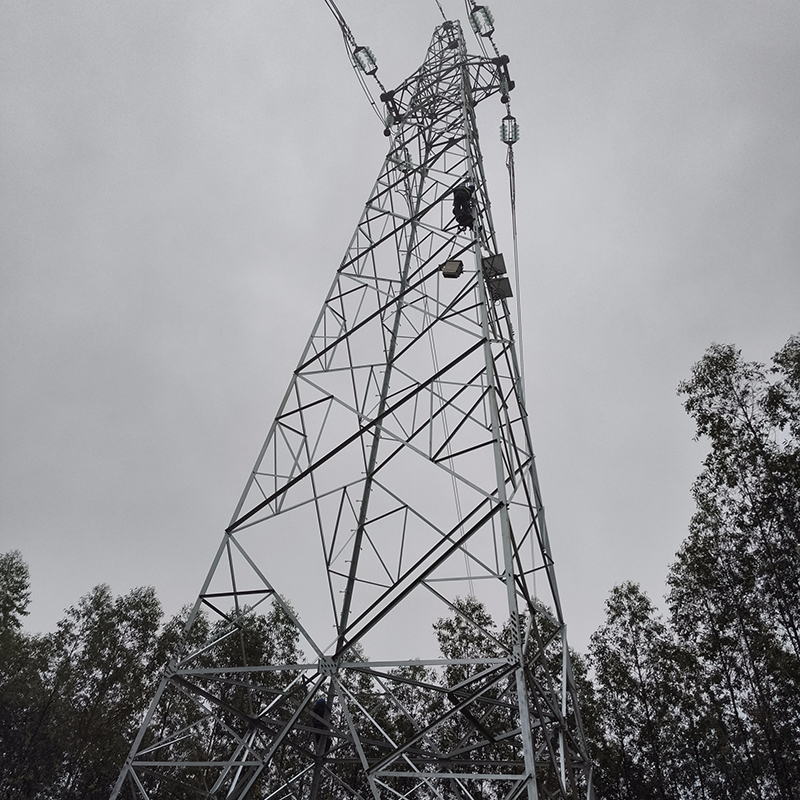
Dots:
pixel 351 46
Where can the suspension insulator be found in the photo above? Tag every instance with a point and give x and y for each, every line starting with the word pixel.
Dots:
pixel 509 130
pixel 482 21
pixel 365 59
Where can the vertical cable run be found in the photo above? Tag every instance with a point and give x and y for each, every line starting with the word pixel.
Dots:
pixel 512 190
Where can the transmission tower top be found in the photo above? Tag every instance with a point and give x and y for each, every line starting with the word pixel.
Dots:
pixel 365 63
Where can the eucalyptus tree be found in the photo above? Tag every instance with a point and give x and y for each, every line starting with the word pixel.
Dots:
pixel 638 698
pixel 735 586
pixel 21 684
pixel 69 699
pixel 100 673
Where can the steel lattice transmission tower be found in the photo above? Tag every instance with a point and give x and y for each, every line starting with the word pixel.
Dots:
pixel 396 488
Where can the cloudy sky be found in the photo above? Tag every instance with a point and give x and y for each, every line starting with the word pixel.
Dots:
pixel 179 180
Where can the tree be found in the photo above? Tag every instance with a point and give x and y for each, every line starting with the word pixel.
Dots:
pixel 707 705
pixel 70 699
pixel 99 678
pixel 637 690
pixel 21 684
pixel 14 591
pixel 735 586
pixel 183 731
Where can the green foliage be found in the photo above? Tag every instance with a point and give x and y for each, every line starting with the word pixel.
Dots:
pixel 708 704
pixel 14 590
pixel 71 699
pixel 99 678
pixel 636 685
pixel 735 586
pixel 237 639
pixel 21 667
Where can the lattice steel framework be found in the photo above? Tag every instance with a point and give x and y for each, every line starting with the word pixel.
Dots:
pixel 396 487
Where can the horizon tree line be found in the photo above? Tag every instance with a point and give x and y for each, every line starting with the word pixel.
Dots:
pixel 703 704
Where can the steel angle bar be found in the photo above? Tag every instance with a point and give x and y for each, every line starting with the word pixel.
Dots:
pixel 135 779
pixel 449 404
pixel 371 667
pixel 423 331
pixel 295 453
pixel 486 742
pixel 407 441
pixel 456 708
pixel 358 413
pixel 547 712
pixel 249 609
pixel 472 449
pixel 405 584
pixel 488 678
pixel 436 393
pixel 182 764
pixel 285 607
pixel 378 555
pixel 255 689
pixel 174 738
pixel 346 500
pixel 286 509
pixel 444 177
pixel 462 312
pixel 418 215
pixel 339 553
pixel 362 581
pixel 475 776
pixel 219 612
pixel 462 578
pixel 292 721
pixel 353 437
pixel 457 611
pixel 254 669
pixel 489 494
pixel 301 407
pixel 333 299
pixel 161 777
pixel 344 690
pixel 442 533
pixel 387 306
pixel 400 508
pixel 280 792
pixel 193 691
pixel 204 649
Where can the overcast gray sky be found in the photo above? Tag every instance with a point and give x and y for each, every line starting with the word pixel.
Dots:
pixel 179 180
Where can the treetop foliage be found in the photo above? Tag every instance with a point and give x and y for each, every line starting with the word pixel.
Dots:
pixel 14 590
pixel 707 704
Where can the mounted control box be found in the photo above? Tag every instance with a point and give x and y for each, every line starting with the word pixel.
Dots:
pixel 494 270
pixel 452 269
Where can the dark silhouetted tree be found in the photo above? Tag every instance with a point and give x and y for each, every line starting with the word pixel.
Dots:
pixel 735 586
